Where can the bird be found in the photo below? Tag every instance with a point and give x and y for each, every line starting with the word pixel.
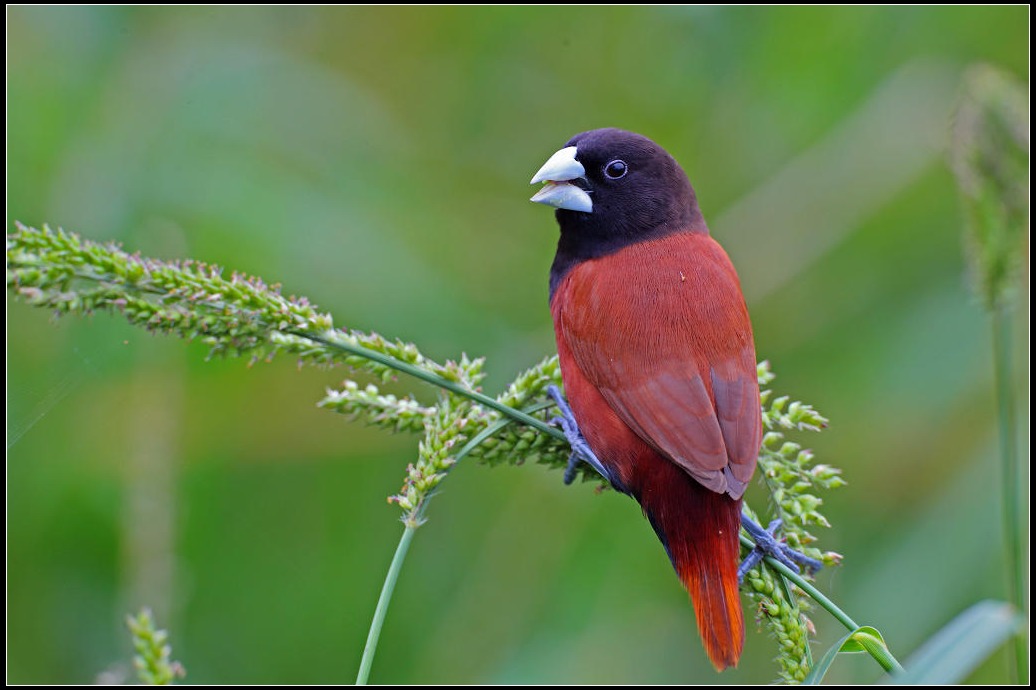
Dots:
pixel 657 359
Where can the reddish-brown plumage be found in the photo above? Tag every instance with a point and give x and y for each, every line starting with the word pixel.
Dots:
pixel 658 362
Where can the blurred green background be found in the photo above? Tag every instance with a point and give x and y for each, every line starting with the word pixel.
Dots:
pixel 376 160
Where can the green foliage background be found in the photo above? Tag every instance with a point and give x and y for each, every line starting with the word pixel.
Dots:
pixel 376 160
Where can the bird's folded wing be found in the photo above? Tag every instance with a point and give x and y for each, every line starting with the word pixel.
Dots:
pixel 682 379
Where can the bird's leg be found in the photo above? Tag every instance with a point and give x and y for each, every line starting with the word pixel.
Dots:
pixel 580 448
pixel 767 544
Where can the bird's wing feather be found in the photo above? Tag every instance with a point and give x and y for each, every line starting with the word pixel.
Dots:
pixel 661 329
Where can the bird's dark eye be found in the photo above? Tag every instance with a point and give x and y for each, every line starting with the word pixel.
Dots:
pixel 616 169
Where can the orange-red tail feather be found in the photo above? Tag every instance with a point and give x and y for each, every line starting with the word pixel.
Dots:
pixel 699 529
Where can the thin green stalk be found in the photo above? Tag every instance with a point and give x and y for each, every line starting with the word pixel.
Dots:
pixel 383 604
pixel 883 657
pixel 1012 481
pixel 436 380
pixel 389 587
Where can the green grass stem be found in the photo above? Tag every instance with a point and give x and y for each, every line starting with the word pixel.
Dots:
pixel 383 603
pixel 1013 484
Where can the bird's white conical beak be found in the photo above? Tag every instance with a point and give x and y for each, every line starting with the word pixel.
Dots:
pixel 557 172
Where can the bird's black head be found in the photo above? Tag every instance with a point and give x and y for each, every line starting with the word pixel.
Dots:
pixel 614 188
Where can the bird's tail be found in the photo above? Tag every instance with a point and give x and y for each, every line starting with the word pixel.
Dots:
pixel 699 529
